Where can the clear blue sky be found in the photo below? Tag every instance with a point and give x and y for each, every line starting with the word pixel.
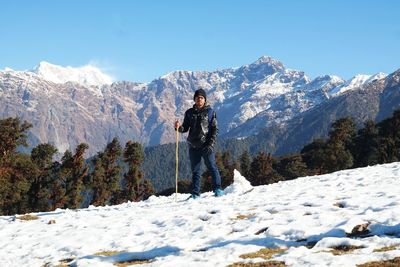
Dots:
pixel 142 40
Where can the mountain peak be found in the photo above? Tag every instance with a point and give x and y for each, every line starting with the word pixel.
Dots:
pixel 269 61
pixel 86 75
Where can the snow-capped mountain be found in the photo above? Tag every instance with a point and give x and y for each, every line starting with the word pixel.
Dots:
pixel 346 218
pixel 72 105
pixel 87 75
pixel 355 82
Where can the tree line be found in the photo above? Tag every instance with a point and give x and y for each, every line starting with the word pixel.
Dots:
pixel 346 147
pixel 35 182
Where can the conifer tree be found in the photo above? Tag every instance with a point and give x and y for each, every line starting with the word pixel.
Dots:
pixel 335 153
pixel 291 166
pixel 13 133
pixel 262 172
pixel 16 169
pixel 40 191
pixel 148 189
pixel 338 151
pixel 57 184
pixel 135 187
pixel 227 169
pixel 313 155
pixel 343 131
pixel 15 182
pixel 245 163
pixel 98 182
pixel 76 170
pixel 106 174
pixel 366 145
pixel 389 143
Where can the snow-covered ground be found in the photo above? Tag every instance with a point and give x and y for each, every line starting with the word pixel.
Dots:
pixel 213 231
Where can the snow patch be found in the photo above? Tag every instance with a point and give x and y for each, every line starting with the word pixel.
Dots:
pixel 240 184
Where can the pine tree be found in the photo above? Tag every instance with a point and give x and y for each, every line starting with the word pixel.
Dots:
pixel 16 169
pixel 262 172
pixel 366 145
pixel 245 163
pixel 313 155
pixel 227 169
pixel 337 157
pixel 343 131
pixel 338 150
pixel 40 191
pixel 291 166
pixel 389 143
pixel 13 133
pixel 106 174
pixel 15 183
pixel 57 184
pixel 98 182
pixel 335 153
pixel 135 187
pixel 76 170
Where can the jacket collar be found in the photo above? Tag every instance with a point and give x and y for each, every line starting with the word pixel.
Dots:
pixel 205 107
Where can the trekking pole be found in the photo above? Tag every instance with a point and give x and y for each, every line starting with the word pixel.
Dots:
pixel 176 165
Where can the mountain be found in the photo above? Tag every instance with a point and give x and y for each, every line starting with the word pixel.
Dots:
pixel 375 101
pixel 347 218
pixel 86 75
pixel 68 106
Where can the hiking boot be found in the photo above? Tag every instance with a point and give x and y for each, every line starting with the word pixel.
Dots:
pixel 218 192
pixel 194 196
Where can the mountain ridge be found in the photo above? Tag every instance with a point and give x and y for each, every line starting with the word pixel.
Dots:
pixel 247 99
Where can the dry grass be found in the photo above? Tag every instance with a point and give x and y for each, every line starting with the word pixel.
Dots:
pixel 244 217
pixel 264 253
pixel 259 264
pixel 122 263
pixel 131 262
pixel 108 253
pixel 340 250
pixel 389 248
pixel 388 263
pixel 27 217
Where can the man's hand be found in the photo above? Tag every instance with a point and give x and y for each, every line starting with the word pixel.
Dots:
pixel 177 125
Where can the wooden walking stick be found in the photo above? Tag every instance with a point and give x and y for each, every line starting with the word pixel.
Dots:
pixel 176 165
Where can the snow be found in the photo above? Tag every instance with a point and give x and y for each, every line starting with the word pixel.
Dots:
pixel 356 82
pixel 87 75
pixel 240 184
pixel 209 232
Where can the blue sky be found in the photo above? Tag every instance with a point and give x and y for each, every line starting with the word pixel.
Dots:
pixel 142 40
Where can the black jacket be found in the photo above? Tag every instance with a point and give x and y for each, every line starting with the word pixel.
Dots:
pixel 203 130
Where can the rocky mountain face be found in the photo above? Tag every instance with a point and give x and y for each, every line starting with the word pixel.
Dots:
pixel 88 108
pixel 375 101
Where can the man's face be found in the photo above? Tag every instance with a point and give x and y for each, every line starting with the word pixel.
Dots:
pixel 200 101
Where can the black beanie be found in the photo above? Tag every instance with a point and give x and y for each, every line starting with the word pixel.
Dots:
pixel 200 92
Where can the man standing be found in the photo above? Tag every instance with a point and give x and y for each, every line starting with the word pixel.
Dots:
pixel 201 122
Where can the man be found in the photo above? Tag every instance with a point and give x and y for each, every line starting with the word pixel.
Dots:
pixel 201 122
